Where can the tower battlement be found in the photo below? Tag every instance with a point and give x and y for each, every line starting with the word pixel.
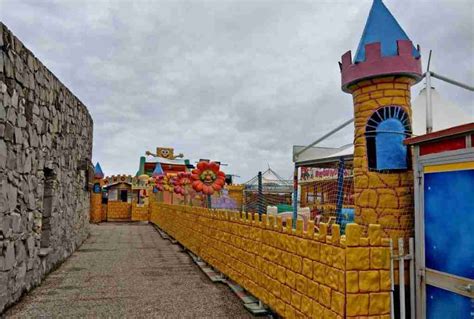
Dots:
pixel 375 64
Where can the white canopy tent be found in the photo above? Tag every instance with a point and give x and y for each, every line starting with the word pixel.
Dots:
pixel 445 114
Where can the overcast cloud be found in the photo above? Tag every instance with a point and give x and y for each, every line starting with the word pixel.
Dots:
pixel 235 81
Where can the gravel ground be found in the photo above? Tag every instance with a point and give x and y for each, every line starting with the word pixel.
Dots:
pixel 128 270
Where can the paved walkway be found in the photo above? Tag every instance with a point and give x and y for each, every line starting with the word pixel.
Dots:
pixel 128 270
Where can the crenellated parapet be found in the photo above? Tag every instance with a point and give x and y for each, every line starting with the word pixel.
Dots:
pixel 376 65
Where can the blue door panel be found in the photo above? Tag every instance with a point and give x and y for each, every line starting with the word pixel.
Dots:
pixel 449 222
pixel 443 304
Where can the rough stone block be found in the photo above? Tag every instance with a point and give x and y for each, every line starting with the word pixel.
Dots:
pixel 380 258
pixel 357 304
pixel 353 234
pixel 352 281
pixel 379 303
pixel 369 281
pixel 357 258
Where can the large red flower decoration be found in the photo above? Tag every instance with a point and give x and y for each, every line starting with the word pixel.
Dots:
pixel 208 178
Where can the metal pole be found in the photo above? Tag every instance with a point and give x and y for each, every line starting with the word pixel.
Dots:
pixel 323 138
pixel 295 196
pixel 401 277
pixel 411 247
pixel 260 196
pixel 450 81
pixel 392 307
pixel 429 108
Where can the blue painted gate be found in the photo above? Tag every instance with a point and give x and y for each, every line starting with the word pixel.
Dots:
pixel 448 216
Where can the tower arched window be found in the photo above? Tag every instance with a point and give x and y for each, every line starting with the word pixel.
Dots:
pixel 385 131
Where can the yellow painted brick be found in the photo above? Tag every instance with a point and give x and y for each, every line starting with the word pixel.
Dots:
pixel 286 259
pixel 314 250
pixel 306 306
pixel 335 233
pixel 379 303
pixel 384 101
pixel 289 311
pixel 280 307
pixel 380 258
pixel 394 92
pixel 325 296
pixel 323 231
pixel 296 263
pixel 296 299
pixel 358 258
pixel 385 283
pixel 290 278
pixel 313 289
pixel 318 272
pixel 329 314
pixel 376 94
pixel 276 286
pixel 369 281
pixel 299 227
pixel 299 315
pixel 352 281
pixel 369 88
pixel 364 242
pixel 285 293
pixel 338 257
pixel 311 229
pixel 281 274
pixel 308 268
pixel 384 86
pixel 362 98
pixel 357 304
pixel 341 280
pixel 375 235
pixel 337 302
pixel 272 269
pixel 302 247
pixel 326 254
pixel 318 310
pixel 301 285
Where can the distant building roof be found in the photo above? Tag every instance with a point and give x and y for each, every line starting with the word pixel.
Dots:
pixel 161 160
pixel 445 115
pixel 270 181
pixel 382 27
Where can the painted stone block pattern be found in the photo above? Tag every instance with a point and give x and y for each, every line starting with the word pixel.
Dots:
pixel 298 274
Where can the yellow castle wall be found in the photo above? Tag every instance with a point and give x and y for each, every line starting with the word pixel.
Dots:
pixel 298 274
pixel 381 198
pixel 236 192
pixel 140 213
pixel 96 208
pixel 118 211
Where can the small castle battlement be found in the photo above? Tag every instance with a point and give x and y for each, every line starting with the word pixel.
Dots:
pixel 376 64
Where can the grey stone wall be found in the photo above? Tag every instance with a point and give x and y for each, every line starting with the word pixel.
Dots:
pixel 45 151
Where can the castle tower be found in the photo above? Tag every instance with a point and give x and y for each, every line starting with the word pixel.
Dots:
pixel 96 195
pixel 379 78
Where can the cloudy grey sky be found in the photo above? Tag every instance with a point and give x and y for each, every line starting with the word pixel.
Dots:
pixel 235 81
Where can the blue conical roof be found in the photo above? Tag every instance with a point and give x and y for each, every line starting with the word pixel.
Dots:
pixel 381 27
pixel 98 171
pixel 158 170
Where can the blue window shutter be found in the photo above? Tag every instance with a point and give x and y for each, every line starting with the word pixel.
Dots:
pixel 391 153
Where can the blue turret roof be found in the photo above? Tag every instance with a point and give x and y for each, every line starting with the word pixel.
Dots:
pixel 98 171
pixel 158 170
pixel 381 27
